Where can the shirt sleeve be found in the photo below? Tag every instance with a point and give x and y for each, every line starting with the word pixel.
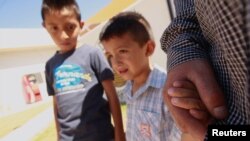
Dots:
pixel 49 80
pixel 183 39
pixel 100 65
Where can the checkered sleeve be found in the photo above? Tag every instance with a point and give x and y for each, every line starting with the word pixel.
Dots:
pixel 183 40
pixel 225 25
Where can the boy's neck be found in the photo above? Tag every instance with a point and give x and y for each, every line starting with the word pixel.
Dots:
pixel 141 80
pixel 64 52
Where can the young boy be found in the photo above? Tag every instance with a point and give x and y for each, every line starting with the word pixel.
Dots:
pixel 128 42
pixel 76 78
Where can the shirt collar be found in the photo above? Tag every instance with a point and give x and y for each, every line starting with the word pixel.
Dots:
pixel 156 80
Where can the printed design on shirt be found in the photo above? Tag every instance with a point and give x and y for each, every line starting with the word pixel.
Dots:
pixel 145 130
pixel 70 77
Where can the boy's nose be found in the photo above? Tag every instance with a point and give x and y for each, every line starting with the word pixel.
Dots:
pixel 64 35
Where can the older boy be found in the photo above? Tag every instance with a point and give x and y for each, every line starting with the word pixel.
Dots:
pixel 76 78
pixel 128 42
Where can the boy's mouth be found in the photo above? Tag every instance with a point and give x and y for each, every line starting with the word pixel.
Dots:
pixel 122 71
pixel 65 43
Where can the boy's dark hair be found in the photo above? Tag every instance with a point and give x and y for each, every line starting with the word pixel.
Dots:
pixel 127 22
pixel 48 5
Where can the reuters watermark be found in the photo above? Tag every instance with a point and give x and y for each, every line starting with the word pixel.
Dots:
pixel 219 132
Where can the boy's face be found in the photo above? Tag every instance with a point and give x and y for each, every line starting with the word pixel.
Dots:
pixel 63 27
pixel 127 57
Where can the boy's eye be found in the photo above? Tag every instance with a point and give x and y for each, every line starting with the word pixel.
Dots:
pixel 53 28
pixel 71 27
pixel 123 51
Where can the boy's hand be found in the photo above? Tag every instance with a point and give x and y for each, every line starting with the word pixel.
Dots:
pixel 184 95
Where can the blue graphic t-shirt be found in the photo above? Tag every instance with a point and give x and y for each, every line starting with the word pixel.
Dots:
pixel 74 79
pixel 70 77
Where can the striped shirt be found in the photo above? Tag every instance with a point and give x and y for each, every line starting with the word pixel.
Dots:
pixel 147 116
pixel 218 31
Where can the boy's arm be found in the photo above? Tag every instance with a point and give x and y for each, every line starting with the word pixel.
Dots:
pixel 55 116
pixel 115 109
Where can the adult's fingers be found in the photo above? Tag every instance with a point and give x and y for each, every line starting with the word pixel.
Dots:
pixel 185 121
pixel 184 84
pixel 204 79
pixel 201 115
pixel 182 92
pixel 188 103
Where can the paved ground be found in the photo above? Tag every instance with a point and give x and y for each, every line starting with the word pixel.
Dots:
pixel 29 130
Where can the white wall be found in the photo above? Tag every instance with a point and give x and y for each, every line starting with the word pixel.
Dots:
pixel 25 57
pixel 11 88
pixel 156 12
pixel 15 64
pixel 22 37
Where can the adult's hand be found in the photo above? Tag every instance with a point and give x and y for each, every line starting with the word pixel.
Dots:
pixel 201 74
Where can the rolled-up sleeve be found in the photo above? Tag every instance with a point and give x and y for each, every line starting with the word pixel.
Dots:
pixel 183 39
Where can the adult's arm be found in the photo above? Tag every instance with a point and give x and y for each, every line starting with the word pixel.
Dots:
pixel 188 59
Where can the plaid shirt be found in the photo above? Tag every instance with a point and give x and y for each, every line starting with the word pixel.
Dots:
pixel 219 31
pixel 147 116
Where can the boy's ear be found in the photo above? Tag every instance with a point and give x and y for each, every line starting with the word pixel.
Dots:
pixel 150 47
pixel 43 24
pixel 81 24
